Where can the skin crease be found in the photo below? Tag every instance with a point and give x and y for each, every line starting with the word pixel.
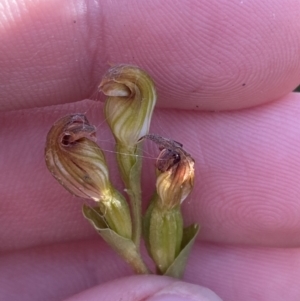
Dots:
pixel 238 57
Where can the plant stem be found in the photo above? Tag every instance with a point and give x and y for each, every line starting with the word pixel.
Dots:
pixel 135 199
pixel 130 164
pixel 139 266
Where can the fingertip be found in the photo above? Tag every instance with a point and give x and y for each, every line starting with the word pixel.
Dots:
pixel 203 55
pixel 211 55
pixel 146 288
pixel 183 291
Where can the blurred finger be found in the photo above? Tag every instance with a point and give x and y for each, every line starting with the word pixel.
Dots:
pixel 89 268
pixel 207 55
pixel 247 174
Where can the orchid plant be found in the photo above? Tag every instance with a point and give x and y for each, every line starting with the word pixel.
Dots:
pixel 77 162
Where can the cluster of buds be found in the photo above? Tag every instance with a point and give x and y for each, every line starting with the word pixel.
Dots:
pixel 77 162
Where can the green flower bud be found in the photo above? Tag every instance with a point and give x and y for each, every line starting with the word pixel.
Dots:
pixel 129 107
pixel 164 237
pixel 163 225
pixel 128 111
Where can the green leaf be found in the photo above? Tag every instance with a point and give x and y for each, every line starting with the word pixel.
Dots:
pixel 123 246
pixel 176 269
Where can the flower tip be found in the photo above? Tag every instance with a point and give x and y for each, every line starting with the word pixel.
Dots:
pixel 110 88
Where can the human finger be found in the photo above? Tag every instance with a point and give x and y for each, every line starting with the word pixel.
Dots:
pixel 247 174
pixel 89 268
pixel 206 55
pixel 85 270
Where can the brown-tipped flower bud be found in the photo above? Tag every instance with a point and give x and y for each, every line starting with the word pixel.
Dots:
pixel 176 183
pixel 130 103
pixel 175 166
pixel 75 160
pixel 163 224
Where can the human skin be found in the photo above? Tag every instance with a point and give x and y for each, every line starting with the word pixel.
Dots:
pixel 224 73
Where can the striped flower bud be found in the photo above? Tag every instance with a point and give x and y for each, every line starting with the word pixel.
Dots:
pixel 130 103
pixel 78 164
pixel 163 224
pixel 74 158
pixel 175 167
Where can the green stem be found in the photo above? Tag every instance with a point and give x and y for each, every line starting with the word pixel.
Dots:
pixel 138 265
pixel 135 201
pixel 130 164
